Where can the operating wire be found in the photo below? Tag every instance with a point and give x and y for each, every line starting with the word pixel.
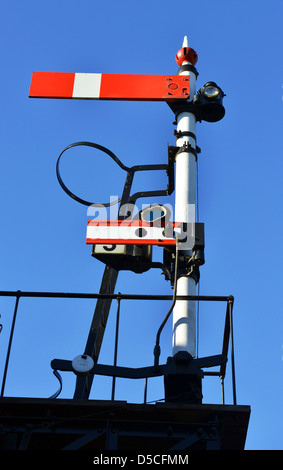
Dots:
pixel 58 376
pixel 197 208
pixel 198 287
pixel 157 346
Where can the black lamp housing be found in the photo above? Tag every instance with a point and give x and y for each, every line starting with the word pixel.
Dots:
pixel 208 103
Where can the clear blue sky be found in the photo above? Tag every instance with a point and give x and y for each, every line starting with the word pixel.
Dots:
pixel 42 240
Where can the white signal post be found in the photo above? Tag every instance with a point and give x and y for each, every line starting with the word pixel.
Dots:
pixel 184 312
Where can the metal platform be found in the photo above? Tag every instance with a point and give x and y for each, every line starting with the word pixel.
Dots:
pixel 49 424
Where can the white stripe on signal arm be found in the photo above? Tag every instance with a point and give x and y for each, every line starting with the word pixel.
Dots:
pixel 87 85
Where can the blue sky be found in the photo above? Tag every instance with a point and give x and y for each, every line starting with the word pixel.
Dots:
pixel 42 240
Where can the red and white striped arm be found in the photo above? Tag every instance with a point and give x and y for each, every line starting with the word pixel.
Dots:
pixel 125 232
pixel 101 86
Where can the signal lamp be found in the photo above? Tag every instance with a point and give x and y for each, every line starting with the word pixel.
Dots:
pixel 208 102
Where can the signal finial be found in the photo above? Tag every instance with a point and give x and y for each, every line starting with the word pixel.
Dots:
pixel 186 54
pixel 185 42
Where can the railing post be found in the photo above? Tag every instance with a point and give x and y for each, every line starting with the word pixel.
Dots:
pixel 222 389
pixel 116 343
pixel 18 295
pixel 230 307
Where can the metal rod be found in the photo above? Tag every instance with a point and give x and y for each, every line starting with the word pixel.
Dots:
pixel 75 295
pixel 226 337
pixel 10 344
pixel 116 344
pixel 230 307
pixel 222 389
pixel 145 391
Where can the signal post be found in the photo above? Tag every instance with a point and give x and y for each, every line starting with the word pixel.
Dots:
pixel 184 313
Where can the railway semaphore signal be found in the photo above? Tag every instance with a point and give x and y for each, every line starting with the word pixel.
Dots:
pixel 127 243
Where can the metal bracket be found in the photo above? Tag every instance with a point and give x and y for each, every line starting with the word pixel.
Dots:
pixel 179 373
pixel 177 365
pixel 110 275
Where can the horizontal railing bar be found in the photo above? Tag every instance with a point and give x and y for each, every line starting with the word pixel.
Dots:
pixel 75 295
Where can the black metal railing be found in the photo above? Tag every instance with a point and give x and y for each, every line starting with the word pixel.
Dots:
pixel 227 334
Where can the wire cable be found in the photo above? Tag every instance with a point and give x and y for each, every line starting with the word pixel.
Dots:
pixel 58 376
pixel 157 346
pixel 197 217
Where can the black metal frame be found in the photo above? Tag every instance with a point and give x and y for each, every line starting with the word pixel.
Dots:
pixel 126 198
pixel 144 372
pixel 110 274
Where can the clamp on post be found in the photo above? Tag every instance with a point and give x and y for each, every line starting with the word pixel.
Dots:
pixel 174 151
pixel 189 261
pixel 189 267
pixel 179 134
pixel 188 148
